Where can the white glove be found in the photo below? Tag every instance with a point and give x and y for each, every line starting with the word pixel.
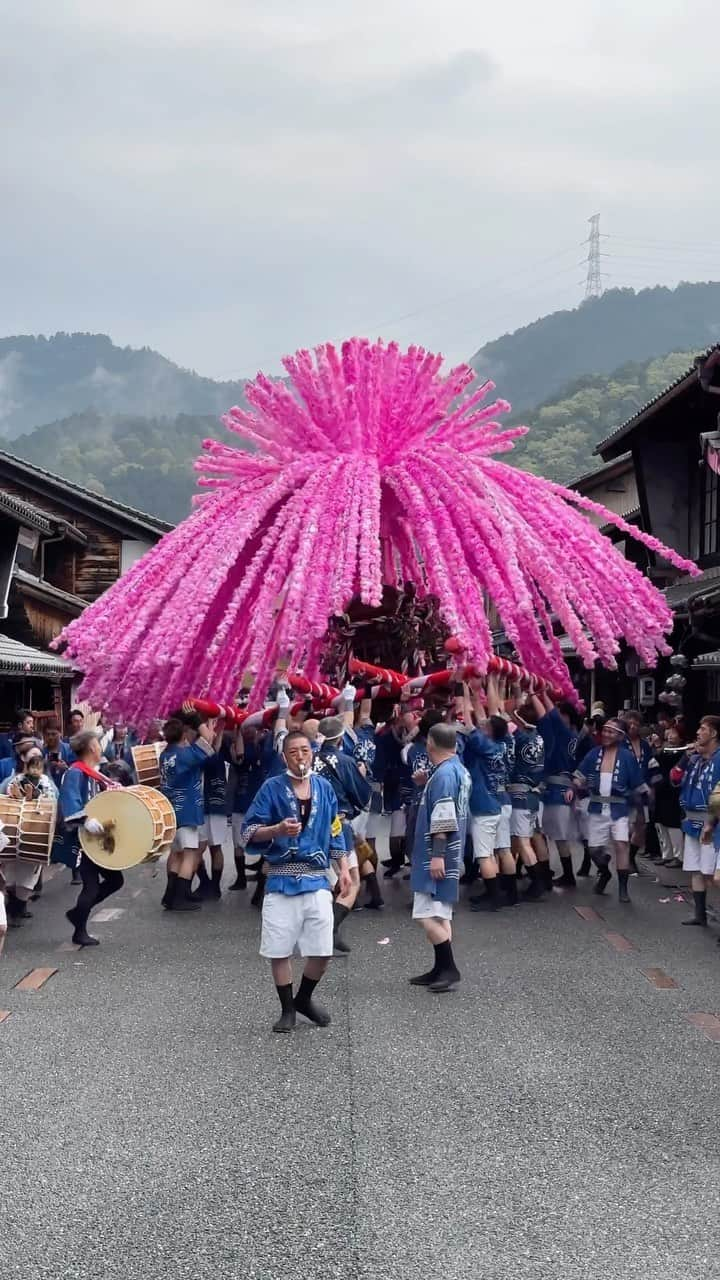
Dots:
pixel 283 700
pixel 348 694
pixel 93 827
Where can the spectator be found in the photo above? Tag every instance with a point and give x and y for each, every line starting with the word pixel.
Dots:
pixel 56 752
pixel 668 814
pixel 77 721
pixel 25 728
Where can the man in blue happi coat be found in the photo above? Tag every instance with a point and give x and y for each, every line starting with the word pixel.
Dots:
pixel 294 822
pixel 612 778
pixel 700 777
pixel 352 793
pixel 438 854
pixel 558 728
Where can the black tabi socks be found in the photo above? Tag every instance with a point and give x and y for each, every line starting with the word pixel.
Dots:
pixel 700 917
pixel 490 900
pixel 586 865
pixel 510 889
pixel 259 894
pixel 339 914
pixel 374 897
pixel 240 873
pixel 286 1021
pixel 169 893
pixel 567 879
pixel 623 895
pixel 305 1005
pixel 537 886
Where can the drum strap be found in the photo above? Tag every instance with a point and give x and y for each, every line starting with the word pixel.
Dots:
pixel 97 777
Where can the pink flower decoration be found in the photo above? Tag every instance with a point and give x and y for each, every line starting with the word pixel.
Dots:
pixel 369 466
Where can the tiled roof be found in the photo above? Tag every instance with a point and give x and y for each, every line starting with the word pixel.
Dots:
pixel 687 588
pixel 599 472
pixel 667 393
pixel 99 500
pixel 40 587
pixel 20 659
pixel 24 512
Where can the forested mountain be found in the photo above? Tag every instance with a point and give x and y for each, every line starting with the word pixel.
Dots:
pixel 144 462
pixel 130 423
pixel 531 365
pixel 46 379
pixel 565 430
pixel 147 462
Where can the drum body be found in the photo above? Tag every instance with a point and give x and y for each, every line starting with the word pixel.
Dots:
pixel 147 763
pixel 143 827
pixel 10 818
pixel 30 828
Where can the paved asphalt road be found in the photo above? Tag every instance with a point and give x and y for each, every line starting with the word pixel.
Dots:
pixel 556 1117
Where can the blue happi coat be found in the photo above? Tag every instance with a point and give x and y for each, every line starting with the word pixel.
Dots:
pixel 321 839
pixel 182 769
pixel 443 808
pixel 627 779
pixel 528 770
pixel 352 791
pixel 560 742
pixel 701 776
pixel 500 770
pixel 479 755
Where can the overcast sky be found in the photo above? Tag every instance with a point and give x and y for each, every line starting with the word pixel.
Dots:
pixel 229 180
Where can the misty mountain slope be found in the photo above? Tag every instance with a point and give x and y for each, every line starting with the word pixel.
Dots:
pixel 45 379
pixel 534 363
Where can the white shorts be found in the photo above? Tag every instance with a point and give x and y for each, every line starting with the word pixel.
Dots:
pixel 602 828
pixel 238 822
pixel 425 907
pixel 524 823
pixel 360 824
pixel 186 838
pixel 374 825
pixel 483 832
pixel 670 840
pixel 502 835
pixel 699 857
pixel 21 873
pixel 398 823
pixel 214 828
pixel 303 921
pixel 558 822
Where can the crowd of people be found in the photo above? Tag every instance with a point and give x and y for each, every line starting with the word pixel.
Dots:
pixel 476 788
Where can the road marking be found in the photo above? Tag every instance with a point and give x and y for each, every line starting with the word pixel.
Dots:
pixel 34 980
pixel 68 946
pixel 708 1023
pixel 659 979
pixel 136 893
pixel 108 913
pixel 4 1014
pixel 587 913
pixel 620 943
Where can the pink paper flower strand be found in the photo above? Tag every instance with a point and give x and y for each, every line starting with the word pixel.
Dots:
pixel 369 463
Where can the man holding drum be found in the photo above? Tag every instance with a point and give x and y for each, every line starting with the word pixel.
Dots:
pixel 80 783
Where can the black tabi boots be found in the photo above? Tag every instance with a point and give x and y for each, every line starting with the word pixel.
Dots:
pixel 240 881
pixel 602 862
pixel 510 889
pixel 536 888
pixel 490 900
pixel 623 895
pixel 586 864
pixel 448 974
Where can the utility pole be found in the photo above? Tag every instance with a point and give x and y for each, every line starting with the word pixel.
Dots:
pixel 593 282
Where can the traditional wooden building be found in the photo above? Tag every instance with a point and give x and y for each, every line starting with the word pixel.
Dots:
pixel 61 546
pixel 674 444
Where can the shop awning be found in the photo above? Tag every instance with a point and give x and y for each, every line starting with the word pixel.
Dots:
pixel 17 659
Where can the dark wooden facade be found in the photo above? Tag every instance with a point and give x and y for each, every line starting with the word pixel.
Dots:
pixel 61 546
pixel 671 441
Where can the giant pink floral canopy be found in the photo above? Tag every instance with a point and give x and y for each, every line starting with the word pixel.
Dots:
pixel 370 466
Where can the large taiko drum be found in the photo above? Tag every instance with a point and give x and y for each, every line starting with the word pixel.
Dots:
pixel 139 827
pixel 29 826
pixel 147 763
